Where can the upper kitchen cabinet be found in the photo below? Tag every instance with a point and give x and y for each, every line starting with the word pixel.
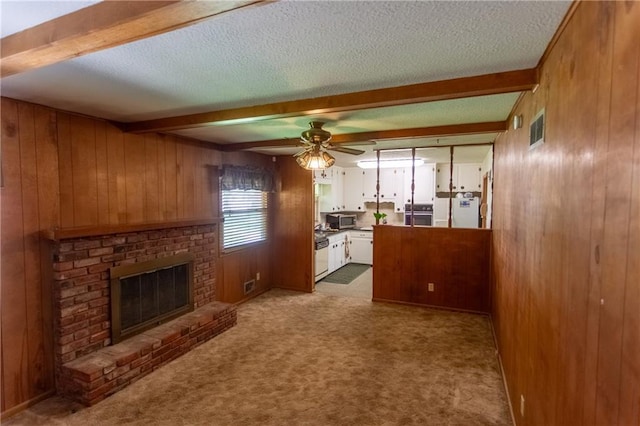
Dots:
pixel 331 192
pixel 466 177
pixel 353 189
pixel 391 182
pixel 323 176
pixel 424 191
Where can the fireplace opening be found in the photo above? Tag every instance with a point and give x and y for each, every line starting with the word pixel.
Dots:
pixel 147 294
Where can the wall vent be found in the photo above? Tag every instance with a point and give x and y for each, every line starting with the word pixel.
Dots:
pixel 249 286
pixel 536 130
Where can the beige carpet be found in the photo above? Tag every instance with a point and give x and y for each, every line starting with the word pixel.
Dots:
pixel 315 359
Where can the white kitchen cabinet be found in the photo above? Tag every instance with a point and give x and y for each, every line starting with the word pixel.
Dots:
pixel 337 186
pixel 322 176
pixel 391 181
pixel 469 177
pixel 338 251
pixel 466 177
pixel 331 195
pixel 361 247
pixel 424 192
pixel 353 189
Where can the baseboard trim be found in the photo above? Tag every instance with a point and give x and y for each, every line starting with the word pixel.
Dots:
pixel 422 305
pixel 252 295
pixel 504 377
pixel 23 406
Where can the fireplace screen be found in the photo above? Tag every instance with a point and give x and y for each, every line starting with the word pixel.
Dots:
pixel 146 294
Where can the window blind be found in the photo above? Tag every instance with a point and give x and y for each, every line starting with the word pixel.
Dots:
pixel 245 217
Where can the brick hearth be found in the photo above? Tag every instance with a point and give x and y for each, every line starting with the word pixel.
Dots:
pixel 94 377
pixel 82 324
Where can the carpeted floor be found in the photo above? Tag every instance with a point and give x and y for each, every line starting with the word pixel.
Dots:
pixel 315 359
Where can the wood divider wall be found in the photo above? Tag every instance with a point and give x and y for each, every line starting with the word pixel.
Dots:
pixel 406 259
pixel 293 256
pixel 566 230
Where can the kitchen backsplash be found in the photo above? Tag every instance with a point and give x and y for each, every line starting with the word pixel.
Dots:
pixel 366 218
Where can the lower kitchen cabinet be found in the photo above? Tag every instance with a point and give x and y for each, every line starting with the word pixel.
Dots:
pixel 338 251
pixel 361 247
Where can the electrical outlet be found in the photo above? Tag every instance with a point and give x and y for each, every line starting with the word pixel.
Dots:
pixel 522 405
pixel 431 287
pixel 258 276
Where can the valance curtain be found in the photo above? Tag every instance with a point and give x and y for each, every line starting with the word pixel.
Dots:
pixel 247 178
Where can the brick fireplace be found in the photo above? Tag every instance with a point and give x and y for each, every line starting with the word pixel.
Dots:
pixel 88 367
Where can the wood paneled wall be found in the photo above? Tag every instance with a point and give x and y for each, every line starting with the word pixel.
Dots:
pixel 566 241
pixel 406 259
pixel 241 266
pixel 68 171
pixel 29 203
pixel 293 249
pixel 108 177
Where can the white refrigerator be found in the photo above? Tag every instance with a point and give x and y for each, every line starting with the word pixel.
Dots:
pixel 465 212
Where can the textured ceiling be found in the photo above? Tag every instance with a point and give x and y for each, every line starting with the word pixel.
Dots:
pixel 295 50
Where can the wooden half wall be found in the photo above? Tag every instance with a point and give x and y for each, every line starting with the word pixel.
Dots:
pixel 456 261
pixel 566 238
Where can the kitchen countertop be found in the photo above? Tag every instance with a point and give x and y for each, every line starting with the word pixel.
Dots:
pixel 325 234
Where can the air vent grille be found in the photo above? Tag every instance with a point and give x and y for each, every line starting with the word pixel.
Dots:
pixel 249 286
pixel 536 130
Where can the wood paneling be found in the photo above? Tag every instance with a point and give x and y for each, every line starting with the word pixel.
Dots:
pixel 111 178
pixel 29 203
pixel 73 174
pixel 565 229
pixel 240 266
pixel 293 248
pixel 406 259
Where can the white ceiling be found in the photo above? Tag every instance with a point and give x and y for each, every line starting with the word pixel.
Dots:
pixel 292 50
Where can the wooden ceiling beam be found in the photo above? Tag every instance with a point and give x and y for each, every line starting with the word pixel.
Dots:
pixel 101 26
pixel 488 84
pixel 347 138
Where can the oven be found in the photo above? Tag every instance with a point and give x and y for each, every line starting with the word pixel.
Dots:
pixel 422 214
pixel 321 257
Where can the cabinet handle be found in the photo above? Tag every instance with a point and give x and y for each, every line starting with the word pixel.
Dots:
pixel 381 195
pixel 462 187
pixel 358 207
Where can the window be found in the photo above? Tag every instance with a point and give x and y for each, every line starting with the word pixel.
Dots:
pixel 245 217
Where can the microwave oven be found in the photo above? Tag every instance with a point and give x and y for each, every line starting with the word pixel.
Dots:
pixel 341 221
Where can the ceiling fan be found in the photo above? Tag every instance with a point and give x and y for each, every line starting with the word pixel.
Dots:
pixel 315 141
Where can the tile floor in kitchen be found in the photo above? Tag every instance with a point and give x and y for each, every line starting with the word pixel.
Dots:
pixel 360 288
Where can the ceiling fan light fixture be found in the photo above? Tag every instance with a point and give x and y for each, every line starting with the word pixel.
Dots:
pixel 388 163
pixel 315 159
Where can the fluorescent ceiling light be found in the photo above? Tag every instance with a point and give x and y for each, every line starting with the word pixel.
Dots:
pixel 393 162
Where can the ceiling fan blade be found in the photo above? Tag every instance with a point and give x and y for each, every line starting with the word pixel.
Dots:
pixel 352 143
pixel 345 150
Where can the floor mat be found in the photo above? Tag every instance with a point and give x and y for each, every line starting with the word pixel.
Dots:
pixel 346 274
